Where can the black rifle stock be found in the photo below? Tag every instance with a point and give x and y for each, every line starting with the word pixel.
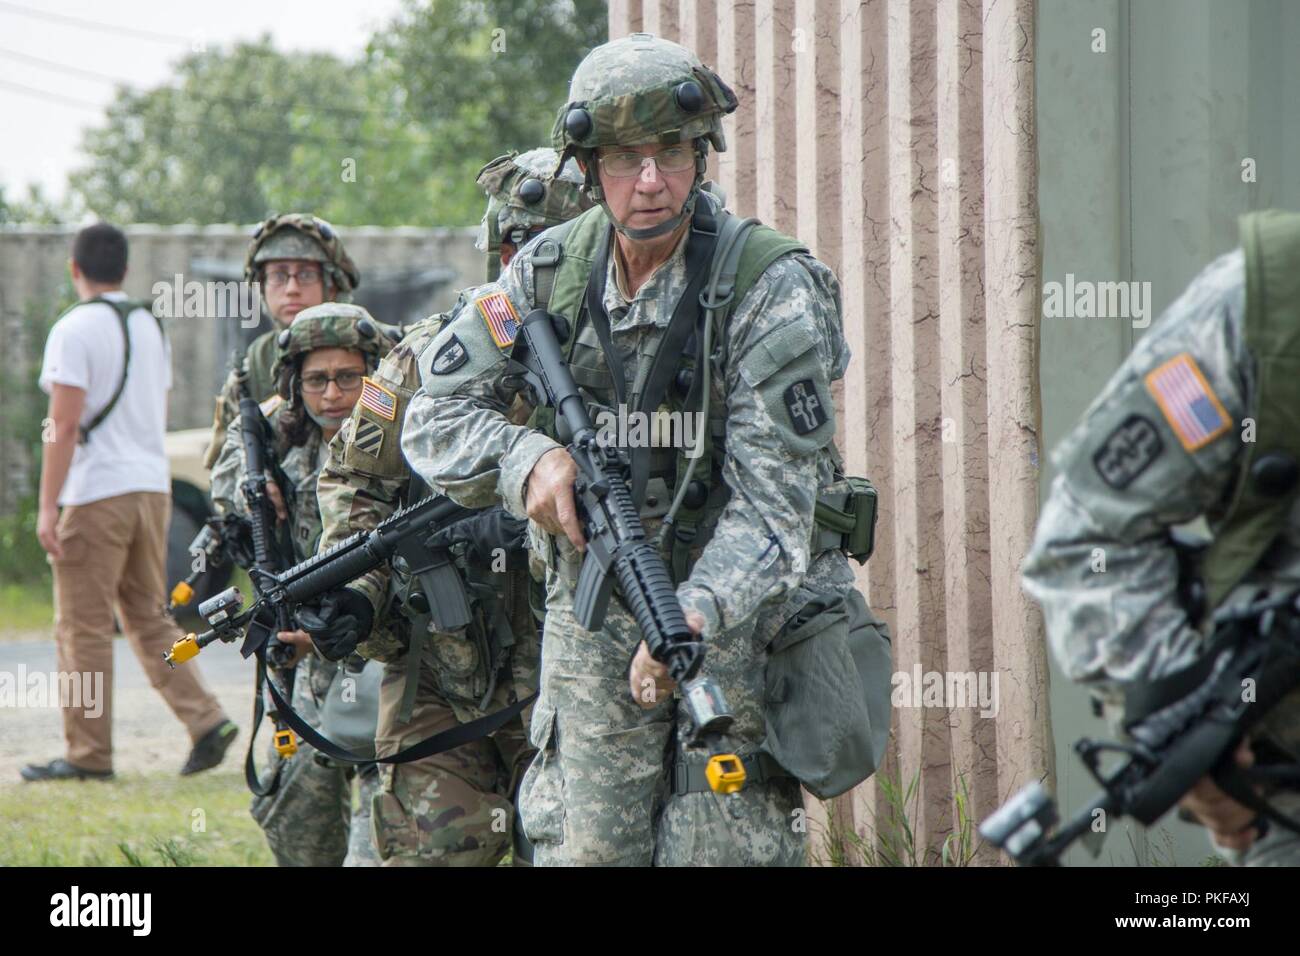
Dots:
pixel 261 525
pixel 618 551
pixel 1253 662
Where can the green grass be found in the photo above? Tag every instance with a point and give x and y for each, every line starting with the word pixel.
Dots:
pixel 25 608
pixel 133 820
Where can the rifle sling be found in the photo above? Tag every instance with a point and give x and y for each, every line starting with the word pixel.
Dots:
pixel 431 746
pixel 250 767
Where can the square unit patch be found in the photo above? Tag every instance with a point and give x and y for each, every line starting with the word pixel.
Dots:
pixel 1192 409
pixel 501 318
pixel 378 399
pixel 369 437
pixel 1128 451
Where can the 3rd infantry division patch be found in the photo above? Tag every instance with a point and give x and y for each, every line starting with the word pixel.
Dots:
pixel 369 437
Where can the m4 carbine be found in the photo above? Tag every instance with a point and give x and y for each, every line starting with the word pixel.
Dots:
pixel 1182 728
pixel 618 550
pixel 411 534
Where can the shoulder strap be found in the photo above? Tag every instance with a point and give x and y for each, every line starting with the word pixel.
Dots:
pixel 1267 481
pixel 545 259
pixel 123 309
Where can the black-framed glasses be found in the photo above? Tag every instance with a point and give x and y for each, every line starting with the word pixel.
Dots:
pixel 347 381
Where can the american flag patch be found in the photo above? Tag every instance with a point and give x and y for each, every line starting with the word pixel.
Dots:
pixel 1189 404
pixel 501 318
pixel 378 399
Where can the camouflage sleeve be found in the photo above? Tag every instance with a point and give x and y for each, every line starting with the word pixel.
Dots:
pixel 227 410
pixel 784 345
pixel 458 436
pixel 227 473
pixel 365 477
pixel 1159 447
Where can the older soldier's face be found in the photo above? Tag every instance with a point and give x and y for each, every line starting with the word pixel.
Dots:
pixel 644 185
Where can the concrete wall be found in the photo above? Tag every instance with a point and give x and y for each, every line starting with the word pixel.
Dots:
pixel 1140 179
pixel 33 268
pixel 897 139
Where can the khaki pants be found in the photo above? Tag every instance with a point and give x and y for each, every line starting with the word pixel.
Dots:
pixel 114 558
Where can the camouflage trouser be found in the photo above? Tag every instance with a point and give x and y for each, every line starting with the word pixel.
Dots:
pixel 452 809
pixel 597 791
pixel 308 821
pixel 1279 847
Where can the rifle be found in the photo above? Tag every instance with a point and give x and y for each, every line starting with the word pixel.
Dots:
pixel 411 535
pixel 1188 726
pixel 216 542
pixel 618 551
pixel 268 553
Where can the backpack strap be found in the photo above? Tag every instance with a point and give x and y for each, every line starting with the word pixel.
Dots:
pixel 545 258
pixel 1267 480
pixel 123 309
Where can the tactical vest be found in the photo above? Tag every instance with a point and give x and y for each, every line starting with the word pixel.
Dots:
pixel 1267 483
pixel 564 264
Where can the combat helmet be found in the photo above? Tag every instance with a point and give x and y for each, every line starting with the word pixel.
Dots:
pixel 525 193
pixel 299 235
pixel 329 325
pixel 642 89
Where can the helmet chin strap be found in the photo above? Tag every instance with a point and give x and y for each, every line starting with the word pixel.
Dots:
pixel 667 226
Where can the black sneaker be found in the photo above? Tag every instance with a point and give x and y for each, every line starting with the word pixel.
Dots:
pixel 60 769
pixel 211 748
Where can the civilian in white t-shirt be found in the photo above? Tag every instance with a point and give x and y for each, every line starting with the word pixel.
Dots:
pixel 105 465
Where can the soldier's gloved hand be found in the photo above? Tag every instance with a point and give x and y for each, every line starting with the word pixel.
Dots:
pixel 338 622
pixel 490 535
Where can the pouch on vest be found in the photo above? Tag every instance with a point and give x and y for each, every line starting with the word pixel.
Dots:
pixel 827 704
pixel 853 517
pixel 350 714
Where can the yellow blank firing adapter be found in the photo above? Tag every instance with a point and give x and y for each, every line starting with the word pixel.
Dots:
pixel 183 650
pixel 725 773
pixel 182 595
pixel 285 745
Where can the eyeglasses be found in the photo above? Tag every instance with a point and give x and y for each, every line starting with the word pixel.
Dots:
pixel 628 163
pixel 280 277
pixel 317 382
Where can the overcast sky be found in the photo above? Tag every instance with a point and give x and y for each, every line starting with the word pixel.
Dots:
pixel 45 106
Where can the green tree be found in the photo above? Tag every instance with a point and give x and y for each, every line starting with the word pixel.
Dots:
pixel 35 207
pixel 394 139
pixel 485 76
pixel 190 151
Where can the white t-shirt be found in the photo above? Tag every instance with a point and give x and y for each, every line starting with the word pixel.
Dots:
pixel 125 452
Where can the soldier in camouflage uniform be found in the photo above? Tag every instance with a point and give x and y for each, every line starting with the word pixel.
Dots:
pixel 309 250
pixel 455 808
pixel 641 116
pixel 1168 441
pixel 306 820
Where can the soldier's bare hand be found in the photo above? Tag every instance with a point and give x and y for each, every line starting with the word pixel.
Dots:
pixel 550 500
pixel 648 679
pixel 1226 819
pixel 277 500
pixel 300 641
